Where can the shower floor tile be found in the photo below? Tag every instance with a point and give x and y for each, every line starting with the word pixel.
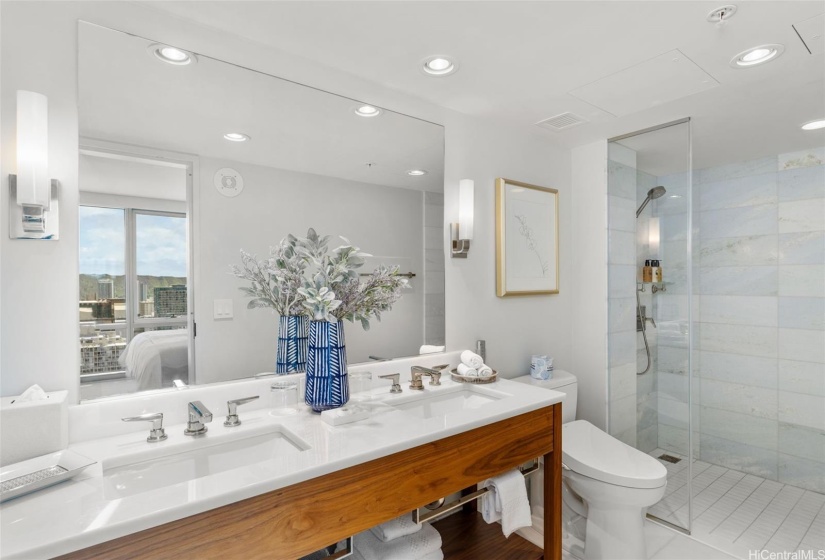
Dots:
pixel 739 513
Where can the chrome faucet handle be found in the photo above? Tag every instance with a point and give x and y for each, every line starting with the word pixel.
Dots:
pixel 417 372
pixel 232 413
pixel 198 416
pixel 157 433
pixel 396 381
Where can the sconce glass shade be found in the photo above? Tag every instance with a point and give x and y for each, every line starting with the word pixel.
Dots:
pixel 653 237
pixel 465 208
pixel 33 181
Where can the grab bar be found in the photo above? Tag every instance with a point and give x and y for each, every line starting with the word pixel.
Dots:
pixel 419 517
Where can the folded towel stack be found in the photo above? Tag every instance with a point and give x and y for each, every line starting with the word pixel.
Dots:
pixel 473 366
pixel 507 501
pixel 399 539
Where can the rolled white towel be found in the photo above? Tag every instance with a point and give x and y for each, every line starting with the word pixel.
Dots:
pixel 466 371
pixel 398 527
pixel 471 359
pixel 485 371
pixel 507 501
pixel 411 547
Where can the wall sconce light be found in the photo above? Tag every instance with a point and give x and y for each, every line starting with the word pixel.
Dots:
pixel 653 237
pixel 33 212
pixel 462 233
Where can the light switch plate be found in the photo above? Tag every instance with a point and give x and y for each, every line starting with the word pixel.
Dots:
pixel 223 309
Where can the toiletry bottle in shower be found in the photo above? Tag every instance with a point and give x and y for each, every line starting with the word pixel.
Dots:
pixel 647 272
pixel 657 271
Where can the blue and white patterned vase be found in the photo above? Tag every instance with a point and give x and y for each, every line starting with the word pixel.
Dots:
pixel 293 335
pixel 326 384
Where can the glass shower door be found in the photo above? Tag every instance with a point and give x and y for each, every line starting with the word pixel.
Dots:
pixel 650 286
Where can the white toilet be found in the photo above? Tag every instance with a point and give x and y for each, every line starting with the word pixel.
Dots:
pixel 605 480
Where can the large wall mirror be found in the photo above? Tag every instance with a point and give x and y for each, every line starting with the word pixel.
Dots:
pixel 163 215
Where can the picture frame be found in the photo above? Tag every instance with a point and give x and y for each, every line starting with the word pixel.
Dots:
pixel 527 239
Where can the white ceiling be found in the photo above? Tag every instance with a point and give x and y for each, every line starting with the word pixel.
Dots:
pixel 519 61
pixel 127 95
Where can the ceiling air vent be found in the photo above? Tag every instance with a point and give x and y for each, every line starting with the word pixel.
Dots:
pixel 561 122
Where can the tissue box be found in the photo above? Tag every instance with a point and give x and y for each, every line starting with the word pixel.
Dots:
pixel 34 428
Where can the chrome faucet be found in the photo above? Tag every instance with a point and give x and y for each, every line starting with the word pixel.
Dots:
pixel 417 372
pixel 157 433
pixel 199 415
pixel 232 418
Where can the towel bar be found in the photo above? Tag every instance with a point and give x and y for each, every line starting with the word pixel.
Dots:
pixel 419 517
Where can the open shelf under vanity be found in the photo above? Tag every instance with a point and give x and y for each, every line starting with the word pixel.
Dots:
pixel 467 536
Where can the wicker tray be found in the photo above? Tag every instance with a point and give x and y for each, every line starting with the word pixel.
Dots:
pixel 454 375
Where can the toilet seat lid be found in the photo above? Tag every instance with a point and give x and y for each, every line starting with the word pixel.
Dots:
pixel 591 452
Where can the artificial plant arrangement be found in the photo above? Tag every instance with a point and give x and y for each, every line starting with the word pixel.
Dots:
pixel 305 282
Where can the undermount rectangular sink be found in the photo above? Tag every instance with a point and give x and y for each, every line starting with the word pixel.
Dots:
pixel 127 477
pixel 431 404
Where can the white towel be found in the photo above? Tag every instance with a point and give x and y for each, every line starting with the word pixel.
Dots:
pixel 471 359
pixel 437 555
pixel 430 349
pixel 507 501
pixel 485 371
pixel 466 371
pixel 411 547
pixel 398 527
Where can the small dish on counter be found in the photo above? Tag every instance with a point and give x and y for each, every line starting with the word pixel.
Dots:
pixel 455 376
pixel 34 474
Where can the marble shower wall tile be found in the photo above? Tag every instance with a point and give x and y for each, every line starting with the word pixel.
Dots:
pixel 802 377
pixel 801 183
pixel 621 180
pixel 802 473
pixel 739 339
pixel 621 247
pixel 801 441
pixel 802 248
pixel 803 345
pixel 739 310
pixel 739 251
pixel 804 158
pixel 802 215
pixel 744 399
pixel 735 170
pixel 739 222
pixel 802 410
pixel 802 280
pixel 740 280
pixel 739 456
pixel 742 191
pixel 802 313
pixel 738 368
pixel 741 428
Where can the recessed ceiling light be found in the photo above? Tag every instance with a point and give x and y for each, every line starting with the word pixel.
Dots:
pixel 417 172
pixel 757 55
pixel 172 55
pixel 236 136
pixel 367 111
pixel 438 66
pixel 814 125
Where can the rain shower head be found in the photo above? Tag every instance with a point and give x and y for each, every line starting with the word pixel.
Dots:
pixel 652 194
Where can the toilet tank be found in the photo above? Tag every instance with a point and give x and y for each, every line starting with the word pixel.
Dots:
pixel 562 381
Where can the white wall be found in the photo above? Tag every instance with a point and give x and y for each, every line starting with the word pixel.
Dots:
pixel 589 270
pixel 514 327
pixel 385 222
pixel 38 281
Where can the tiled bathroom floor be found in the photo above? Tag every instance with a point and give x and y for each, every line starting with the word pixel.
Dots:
pixel 739 513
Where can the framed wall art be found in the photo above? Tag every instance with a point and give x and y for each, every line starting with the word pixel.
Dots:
pixel 527 239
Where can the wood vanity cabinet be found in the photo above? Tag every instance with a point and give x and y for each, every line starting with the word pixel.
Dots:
pixel 294 521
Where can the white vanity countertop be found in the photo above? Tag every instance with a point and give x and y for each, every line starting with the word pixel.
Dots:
pixel 84 511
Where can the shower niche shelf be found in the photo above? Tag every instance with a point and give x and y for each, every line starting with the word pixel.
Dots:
pixel 655 287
